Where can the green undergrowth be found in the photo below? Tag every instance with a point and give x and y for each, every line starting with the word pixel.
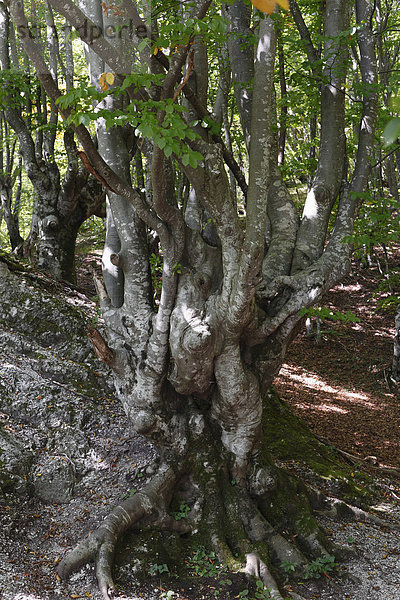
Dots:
pixel 290 441
pixel 175 566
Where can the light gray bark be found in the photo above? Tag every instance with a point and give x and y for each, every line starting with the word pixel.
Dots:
pixel 198 366
pixel 328 178
pixel 242 61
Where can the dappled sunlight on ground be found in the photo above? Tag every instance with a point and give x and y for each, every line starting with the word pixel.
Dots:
pixel 352 287
pixel 313 382
pixel 340 386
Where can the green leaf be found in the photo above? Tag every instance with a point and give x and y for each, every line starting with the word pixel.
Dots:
pixel 146 130
pixel 143 45
pixel 392 131
pixel 161 142
pixel 193 161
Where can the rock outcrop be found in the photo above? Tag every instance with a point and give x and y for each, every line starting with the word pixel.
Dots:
pixel 51 385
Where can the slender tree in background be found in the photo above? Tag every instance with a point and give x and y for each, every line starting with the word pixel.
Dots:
pixel 10 177
pixel 63 202
pixel 193 371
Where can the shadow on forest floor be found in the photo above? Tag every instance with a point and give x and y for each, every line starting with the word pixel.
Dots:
pixel 340 386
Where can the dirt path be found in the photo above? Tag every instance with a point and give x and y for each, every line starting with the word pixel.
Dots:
pixel 340 387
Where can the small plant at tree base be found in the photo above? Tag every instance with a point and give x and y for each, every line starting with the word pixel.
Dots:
pixel 323 565
pixel 222 583
pixel 158 569
pixel 182 512
pixel 288 566
pixel 204 563
pixel 261 592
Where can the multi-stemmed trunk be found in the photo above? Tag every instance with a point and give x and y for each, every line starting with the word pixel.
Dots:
pixel 61 206
pixel 194 376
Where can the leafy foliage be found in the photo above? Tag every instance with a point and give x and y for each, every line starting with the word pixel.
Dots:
pixel 16 87
pixel 171 134
pixel 204 563
pixel 377 223
pixel 388 292
pixel 158 569
pixel 182 512
pixel 322 312
pixel 321 566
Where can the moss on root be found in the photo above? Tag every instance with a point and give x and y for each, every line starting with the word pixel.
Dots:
pixel 191 564
pixel 289 441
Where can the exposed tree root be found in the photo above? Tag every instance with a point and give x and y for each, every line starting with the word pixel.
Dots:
pixel 338 509
pixel 256 567
pixel 100 545
pixel 262 531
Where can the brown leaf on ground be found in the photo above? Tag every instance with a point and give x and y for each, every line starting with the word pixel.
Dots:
pixel 340 386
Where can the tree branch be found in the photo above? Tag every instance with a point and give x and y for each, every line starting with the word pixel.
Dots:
pixel 284 223
pixel 242 61
pixel 305 35
pixel 90 33
pixel 328 178
pixel 252 255
pixel 117 184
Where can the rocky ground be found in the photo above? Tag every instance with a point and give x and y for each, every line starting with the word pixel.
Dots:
pixel 66 457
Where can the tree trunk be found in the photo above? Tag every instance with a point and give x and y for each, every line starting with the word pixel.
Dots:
pixel 10 218
pixel 61 206
pixel 194 375
pixel 395 376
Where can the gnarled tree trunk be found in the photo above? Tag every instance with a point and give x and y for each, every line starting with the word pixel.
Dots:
pixel 194 376
pixel 63 203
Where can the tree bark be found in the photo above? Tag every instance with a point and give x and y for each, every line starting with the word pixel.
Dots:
pixel 193 374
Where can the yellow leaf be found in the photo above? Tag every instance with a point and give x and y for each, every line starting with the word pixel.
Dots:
pixel 102 81
pixel 284 4
pixel 267 6
pixel 110 78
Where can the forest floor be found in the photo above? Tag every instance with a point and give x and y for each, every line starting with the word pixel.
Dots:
pixel 338 386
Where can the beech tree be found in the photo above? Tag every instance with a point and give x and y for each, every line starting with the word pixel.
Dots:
pixel 10 176
pixel 65 198
pixel 240 258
